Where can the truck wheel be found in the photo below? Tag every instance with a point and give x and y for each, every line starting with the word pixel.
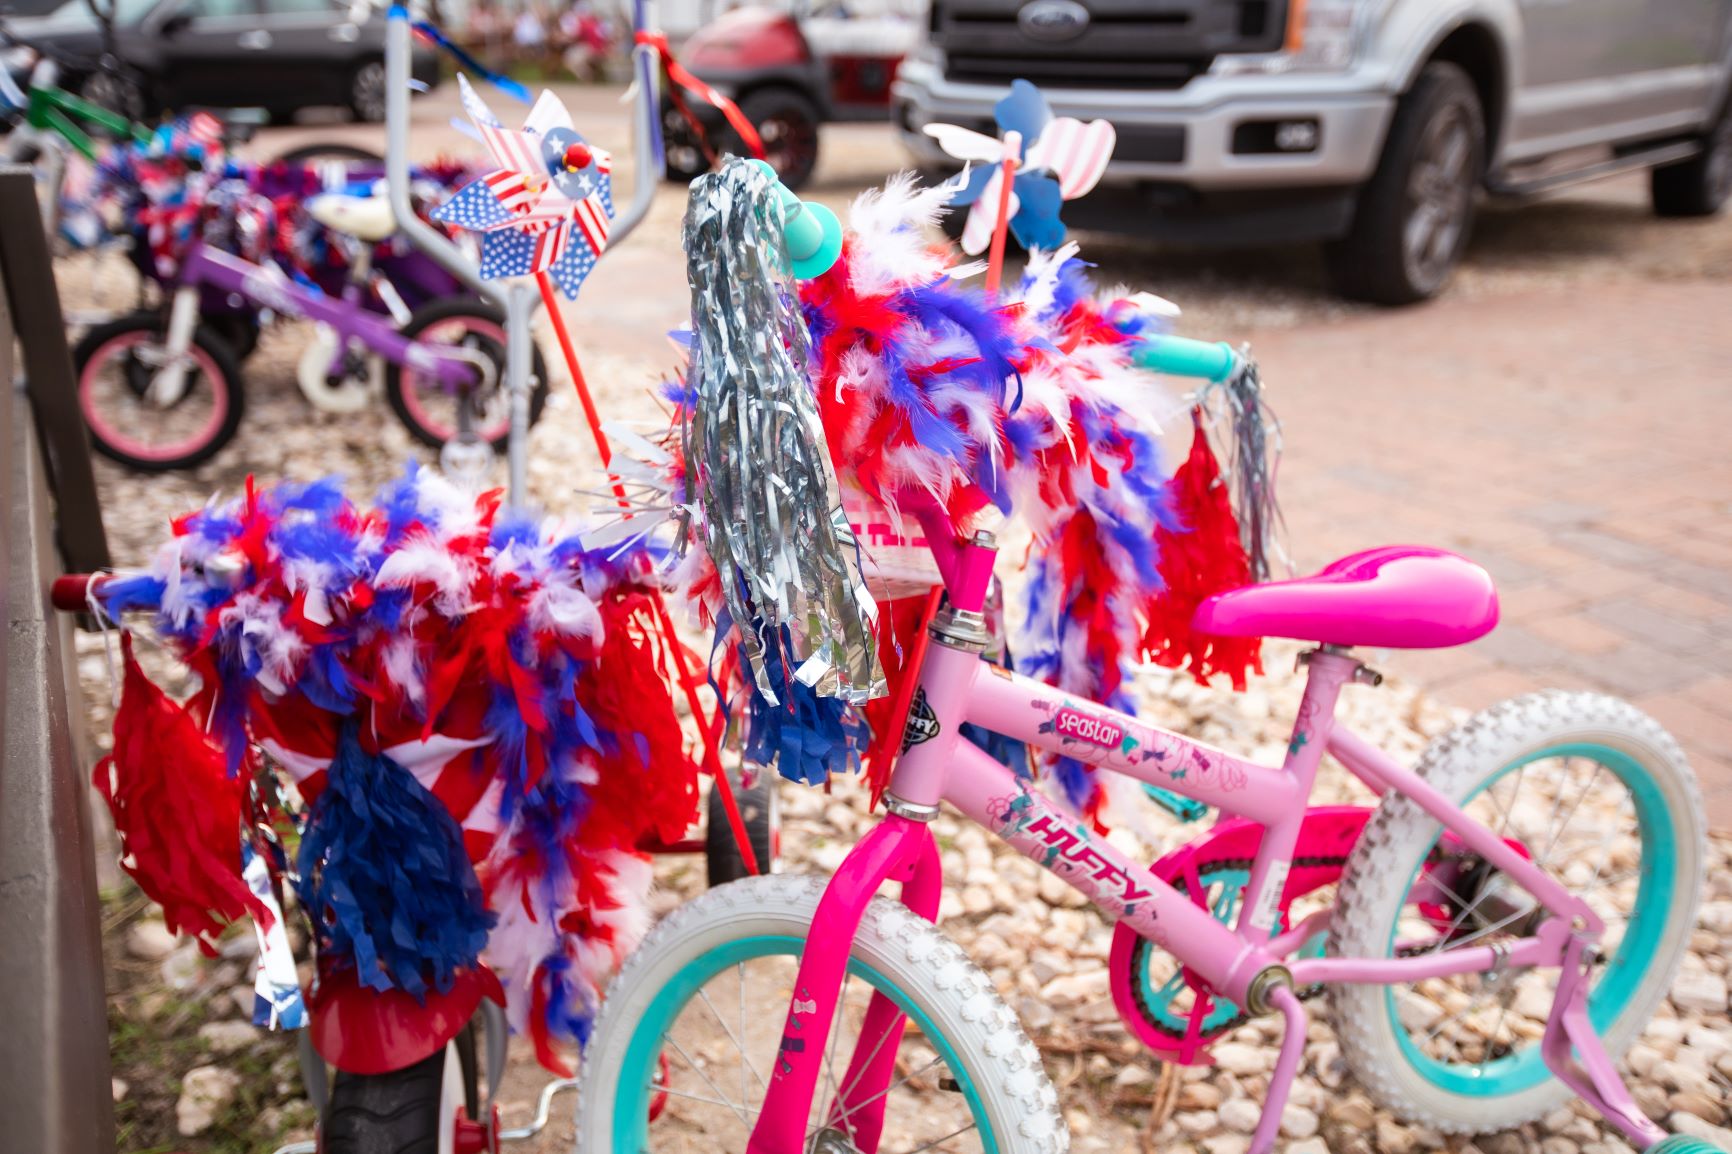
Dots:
pixel 787 123
pixel 683 151
pixel 1414 216
pixel 367 92
pixel 1698 186
pixel 116 93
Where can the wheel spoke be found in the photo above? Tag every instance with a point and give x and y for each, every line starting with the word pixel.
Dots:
pixel 1553 835
pixel 933 1145
pixel 739 1045
pixel 902 1081
pixel 739 1110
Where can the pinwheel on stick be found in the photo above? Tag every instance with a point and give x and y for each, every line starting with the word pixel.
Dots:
pixel 546 209
pixel 1048 160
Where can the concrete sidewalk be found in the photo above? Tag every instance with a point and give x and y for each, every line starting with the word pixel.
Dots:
pixel 1575 445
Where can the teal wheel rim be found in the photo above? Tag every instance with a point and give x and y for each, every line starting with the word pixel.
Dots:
pixel 631 1124
pixel 1617 981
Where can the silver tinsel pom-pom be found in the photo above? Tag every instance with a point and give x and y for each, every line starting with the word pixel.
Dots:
pixel 769 503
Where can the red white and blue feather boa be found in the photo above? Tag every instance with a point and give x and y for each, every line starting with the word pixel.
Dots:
pixel 1028 405
pixel 474 691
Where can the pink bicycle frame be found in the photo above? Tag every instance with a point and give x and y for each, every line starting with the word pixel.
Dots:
pixel 1241 962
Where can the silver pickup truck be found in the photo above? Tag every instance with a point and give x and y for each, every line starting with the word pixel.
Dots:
pixel 1370 125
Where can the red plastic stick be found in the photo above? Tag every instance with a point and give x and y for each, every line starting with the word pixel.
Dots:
pixel 1006 180
pixel 712 755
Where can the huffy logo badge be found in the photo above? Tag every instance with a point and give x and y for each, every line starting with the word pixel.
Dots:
pixel 1064 843
pixel 922 722
pixel 1079 726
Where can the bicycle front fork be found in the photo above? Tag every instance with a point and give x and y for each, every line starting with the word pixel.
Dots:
pixel 169 384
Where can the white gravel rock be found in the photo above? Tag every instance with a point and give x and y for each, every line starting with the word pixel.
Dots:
pixel 1299 1122
pixel 1717 1136
pixel 1240 1115
pixel 1238 1058
pixel 150 940
pixel 228 1037
pixel 1699 991
pixel 205 1093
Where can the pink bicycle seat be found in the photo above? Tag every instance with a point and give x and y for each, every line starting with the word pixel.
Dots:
pixel 1397 597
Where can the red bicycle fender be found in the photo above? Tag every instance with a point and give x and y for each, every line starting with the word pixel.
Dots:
pixel 366 1032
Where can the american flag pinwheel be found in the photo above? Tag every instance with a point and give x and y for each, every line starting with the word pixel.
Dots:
pixel 546 206
pixel 1062 159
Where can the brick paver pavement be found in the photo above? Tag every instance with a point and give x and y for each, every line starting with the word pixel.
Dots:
pixel 1575 445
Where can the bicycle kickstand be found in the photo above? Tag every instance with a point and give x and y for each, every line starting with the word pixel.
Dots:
pixel 1589 1070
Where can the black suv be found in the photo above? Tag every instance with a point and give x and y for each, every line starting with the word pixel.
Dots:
pixel 280 55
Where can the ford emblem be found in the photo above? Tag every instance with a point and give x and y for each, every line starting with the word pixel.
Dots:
pixel 1053 19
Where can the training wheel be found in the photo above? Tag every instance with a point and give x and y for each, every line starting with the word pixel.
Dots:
pixel 1682 1144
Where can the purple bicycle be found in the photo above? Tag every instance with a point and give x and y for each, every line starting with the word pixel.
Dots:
pixel 162 388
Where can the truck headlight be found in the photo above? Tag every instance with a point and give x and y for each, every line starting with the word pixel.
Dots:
pixel 1322 36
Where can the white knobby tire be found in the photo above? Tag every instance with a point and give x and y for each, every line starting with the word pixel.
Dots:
pixel 1018 1100
pixel 1388 856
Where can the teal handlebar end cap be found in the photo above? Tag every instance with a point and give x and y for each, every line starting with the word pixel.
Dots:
pixel 820 240
pixel 812 231
pixel 1183 357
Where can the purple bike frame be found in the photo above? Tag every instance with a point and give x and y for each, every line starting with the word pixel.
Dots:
pixel 1242 962
pixel 268 288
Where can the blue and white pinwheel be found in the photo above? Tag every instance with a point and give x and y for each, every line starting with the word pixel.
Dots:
pixel 548 204
pixel 1061 159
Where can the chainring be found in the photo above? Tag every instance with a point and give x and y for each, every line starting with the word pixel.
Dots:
pixel 1180 1016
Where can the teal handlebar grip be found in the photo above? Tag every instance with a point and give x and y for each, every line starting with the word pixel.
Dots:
pixel 811 230
pixel 1182 357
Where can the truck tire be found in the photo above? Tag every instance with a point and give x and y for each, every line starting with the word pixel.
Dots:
pixel 1413 218
pixel 1698 186
pixel 787 122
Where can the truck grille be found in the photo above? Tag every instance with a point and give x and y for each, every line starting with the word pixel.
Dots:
pixel 1137 44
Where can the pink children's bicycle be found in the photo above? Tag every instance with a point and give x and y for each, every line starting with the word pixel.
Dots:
pixel 1489 936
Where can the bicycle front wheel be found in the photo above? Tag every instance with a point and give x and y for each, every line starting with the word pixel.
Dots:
pixel 133 417
pixel 697 1013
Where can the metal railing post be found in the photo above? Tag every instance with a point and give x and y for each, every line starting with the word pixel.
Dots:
pixel 54 1073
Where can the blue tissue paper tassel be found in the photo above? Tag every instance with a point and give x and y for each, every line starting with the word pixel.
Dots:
pixel 386 879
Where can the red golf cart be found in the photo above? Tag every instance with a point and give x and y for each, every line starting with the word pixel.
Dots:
pixel 789 74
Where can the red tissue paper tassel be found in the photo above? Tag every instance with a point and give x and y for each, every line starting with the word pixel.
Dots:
pixel 177 811
pixel 1205 558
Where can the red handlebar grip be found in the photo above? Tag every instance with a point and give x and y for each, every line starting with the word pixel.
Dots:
pixel 69 592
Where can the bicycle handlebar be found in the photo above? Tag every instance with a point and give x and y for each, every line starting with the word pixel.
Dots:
pixel 1182 357
pixel 70 592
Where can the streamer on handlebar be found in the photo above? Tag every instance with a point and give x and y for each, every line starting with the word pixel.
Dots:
pixel 1253 438
pixel 434 36
pixel 773 520
pixel 683 79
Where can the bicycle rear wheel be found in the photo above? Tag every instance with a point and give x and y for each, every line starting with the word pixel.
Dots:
pixel 1602 797
pixel 708 991
pixel 429 411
